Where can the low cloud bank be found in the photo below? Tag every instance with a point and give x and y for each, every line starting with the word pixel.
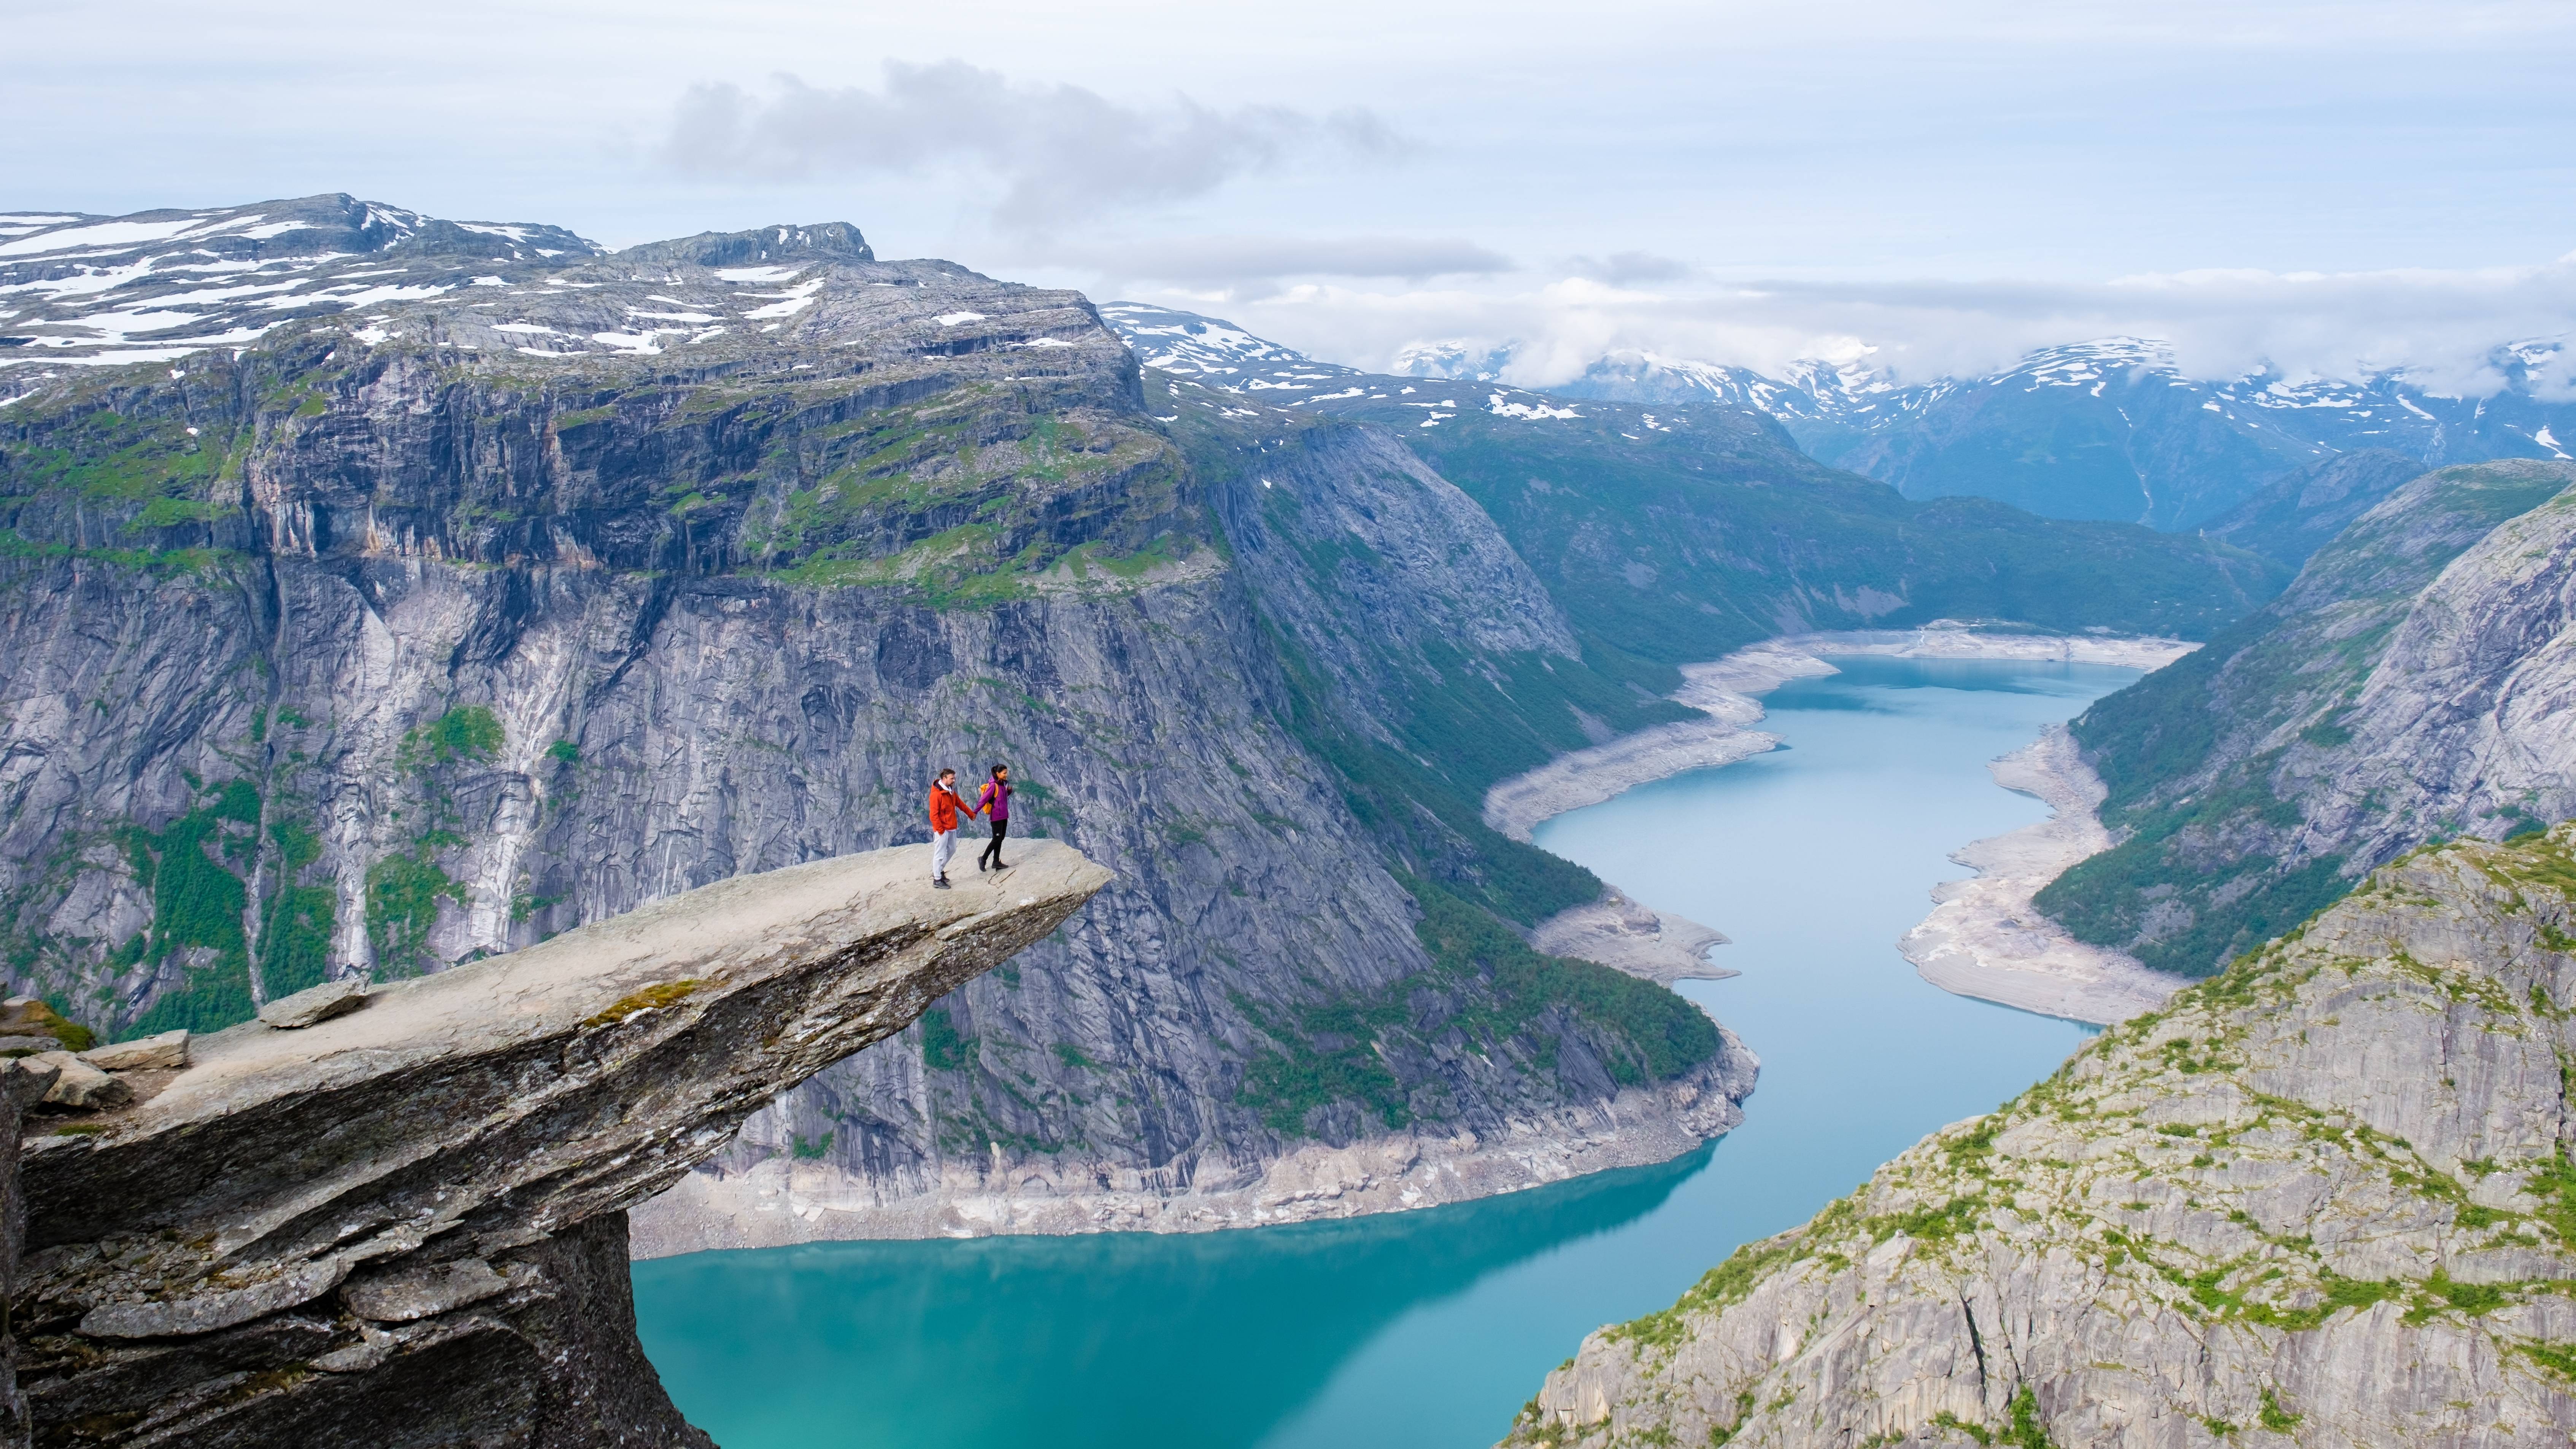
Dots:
pixel 2441 327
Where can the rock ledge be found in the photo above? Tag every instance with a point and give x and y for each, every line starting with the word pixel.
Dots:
pixel 406 1225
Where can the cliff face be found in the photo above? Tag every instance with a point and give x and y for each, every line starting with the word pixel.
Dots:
pixel 428 624
pixel 2411 684
pixel 2323 1199
pixel 404 1224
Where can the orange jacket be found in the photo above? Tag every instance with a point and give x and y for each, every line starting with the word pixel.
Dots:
pixel 943 808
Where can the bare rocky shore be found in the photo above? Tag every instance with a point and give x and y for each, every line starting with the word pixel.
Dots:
pixel 1620 933
pixel 1724 690
pixel 782 1200
pixel 1984 938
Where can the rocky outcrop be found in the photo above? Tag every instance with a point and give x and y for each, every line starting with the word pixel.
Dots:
pixel 2324 1199
pixel 1985 939
pixel 535 587
pixel 405 1224
pixel 2412 684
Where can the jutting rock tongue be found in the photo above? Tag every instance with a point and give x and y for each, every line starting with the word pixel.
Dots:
pixel 406 1224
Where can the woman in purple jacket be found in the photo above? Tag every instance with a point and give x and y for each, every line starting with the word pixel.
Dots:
pixel 993 802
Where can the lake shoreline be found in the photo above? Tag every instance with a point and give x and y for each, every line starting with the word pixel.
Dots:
pixel 1984 938
pixel 1727 690
pixel 782 1201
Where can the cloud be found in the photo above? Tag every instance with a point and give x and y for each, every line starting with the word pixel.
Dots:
pixel 1062 153
pixel 1627 269
pixel 1237 266
pixel 2442 327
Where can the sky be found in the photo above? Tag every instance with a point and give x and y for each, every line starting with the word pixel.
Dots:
pixel 2323 188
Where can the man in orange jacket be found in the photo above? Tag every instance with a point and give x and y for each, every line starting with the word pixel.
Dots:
pixel 944 806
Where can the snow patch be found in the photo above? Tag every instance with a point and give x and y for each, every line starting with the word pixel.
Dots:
pixel 1502 409
pixel 106 233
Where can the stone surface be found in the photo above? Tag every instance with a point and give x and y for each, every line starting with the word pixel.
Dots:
pixel 79 1085
pixel 2323 1199
pixel 168 1049
pixel 23 1084
pixel 457 1160
pixel 2415 682
pixel 1984 938
pixel 315 1004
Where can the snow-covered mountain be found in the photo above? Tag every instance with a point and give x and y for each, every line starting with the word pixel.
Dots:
pixel 2108 428
pixel 158 285
pixel 1219 354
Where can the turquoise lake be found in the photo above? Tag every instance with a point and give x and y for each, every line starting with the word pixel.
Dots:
pixel 1429 1329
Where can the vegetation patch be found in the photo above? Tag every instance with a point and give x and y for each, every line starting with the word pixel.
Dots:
pixel 403 892
pixel 469 732
pixel 651 998
pixel 197 905
pixel 942 1049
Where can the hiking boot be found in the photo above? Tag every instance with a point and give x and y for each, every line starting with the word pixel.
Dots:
pixel 941 884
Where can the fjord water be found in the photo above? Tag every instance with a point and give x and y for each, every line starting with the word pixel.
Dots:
pixel 1428 1329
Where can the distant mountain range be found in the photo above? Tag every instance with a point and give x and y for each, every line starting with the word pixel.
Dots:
pixel 2106 429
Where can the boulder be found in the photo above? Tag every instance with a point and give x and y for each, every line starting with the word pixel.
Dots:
pixel 314 1004
pixel 169 1049
pixel 79 1084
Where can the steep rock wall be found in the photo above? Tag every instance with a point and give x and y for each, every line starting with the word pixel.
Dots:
pixel 2410 685
pixel 2324 1199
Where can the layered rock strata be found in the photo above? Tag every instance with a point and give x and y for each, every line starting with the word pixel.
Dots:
pixel 405 1224
pixel 2323 1199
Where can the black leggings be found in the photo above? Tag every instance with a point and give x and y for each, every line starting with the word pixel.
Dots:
pixel 993 851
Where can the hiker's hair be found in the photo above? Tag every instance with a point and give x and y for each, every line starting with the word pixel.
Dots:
pixel 997 769
pixel 944 774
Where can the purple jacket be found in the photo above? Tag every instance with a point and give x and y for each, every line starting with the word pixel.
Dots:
pixel 994 800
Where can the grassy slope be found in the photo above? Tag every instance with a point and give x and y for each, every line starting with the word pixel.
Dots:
pixel 1711 532
pixel 2199 802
